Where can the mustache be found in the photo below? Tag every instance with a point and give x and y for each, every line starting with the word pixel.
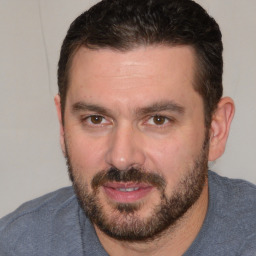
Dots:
pixel 131 175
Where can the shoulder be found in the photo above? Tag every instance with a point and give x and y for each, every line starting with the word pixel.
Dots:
pixel 47 203
pixel 234 192
pixel 234 209
pixel 230 224
pixel 37 220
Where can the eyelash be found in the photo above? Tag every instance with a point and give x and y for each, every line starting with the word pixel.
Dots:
pixel 86 118
pixel 167 120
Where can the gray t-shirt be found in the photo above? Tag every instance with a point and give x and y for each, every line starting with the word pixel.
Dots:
pixel 56 225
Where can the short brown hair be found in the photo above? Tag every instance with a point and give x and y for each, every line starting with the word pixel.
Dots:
pixel 125 24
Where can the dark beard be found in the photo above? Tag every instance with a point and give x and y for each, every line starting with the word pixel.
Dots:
pixel 123 222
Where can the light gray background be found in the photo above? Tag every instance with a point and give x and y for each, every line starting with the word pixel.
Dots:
pixel 31 32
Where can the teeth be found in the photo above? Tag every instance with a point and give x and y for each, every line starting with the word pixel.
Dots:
pixel 127 189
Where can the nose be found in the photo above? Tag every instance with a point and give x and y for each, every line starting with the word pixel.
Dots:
pixel 125 148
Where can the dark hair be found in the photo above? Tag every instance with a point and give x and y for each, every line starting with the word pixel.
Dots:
pixel 126 24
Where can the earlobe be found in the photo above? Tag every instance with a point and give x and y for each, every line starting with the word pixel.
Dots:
pixel 220 125
pixel 59 113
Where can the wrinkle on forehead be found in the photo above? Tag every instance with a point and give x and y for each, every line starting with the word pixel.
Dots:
pixel 133 75
pixel 133 63
pixel 131 70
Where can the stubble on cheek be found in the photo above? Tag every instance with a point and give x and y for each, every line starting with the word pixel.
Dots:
pixel 123 221
pixel 92 193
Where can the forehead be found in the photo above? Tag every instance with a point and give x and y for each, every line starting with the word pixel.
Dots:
pixel 147 72
pixel 102 61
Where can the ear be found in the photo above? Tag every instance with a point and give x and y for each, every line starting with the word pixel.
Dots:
pixel 220 126
pixel 58 109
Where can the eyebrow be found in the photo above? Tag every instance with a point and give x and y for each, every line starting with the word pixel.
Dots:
pixel 161 106
pixel 82 106
pixel 155 107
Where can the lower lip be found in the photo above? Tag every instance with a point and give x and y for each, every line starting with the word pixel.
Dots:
pixel 127 197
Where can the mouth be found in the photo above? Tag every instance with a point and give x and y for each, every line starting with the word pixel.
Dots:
pixel 126 192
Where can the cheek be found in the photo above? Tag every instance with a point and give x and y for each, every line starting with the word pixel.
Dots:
pixel 174 157
pixel 86 154
pixel 167 159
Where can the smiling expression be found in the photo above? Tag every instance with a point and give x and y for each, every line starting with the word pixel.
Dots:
pixel 136 116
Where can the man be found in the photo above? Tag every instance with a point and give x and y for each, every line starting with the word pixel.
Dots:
pixel 141 114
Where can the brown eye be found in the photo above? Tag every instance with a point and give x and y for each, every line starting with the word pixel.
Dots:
pixel 96 119
pixel 159 120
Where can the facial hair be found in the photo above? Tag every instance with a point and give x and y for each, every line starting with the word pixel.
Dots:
pixel 123 221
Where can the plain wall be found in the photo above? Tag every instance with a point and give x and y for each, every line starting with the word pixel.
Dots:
pixel 31 33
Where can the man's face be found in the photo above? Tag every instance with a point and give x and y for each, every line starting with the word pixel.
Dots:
pixel 135 138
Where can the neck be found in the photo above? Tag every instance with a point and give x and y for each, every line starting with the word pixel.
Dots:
pixel 175 241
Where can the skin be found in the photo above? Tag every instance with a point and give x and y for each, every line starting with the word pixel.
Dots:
pixel 124 87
